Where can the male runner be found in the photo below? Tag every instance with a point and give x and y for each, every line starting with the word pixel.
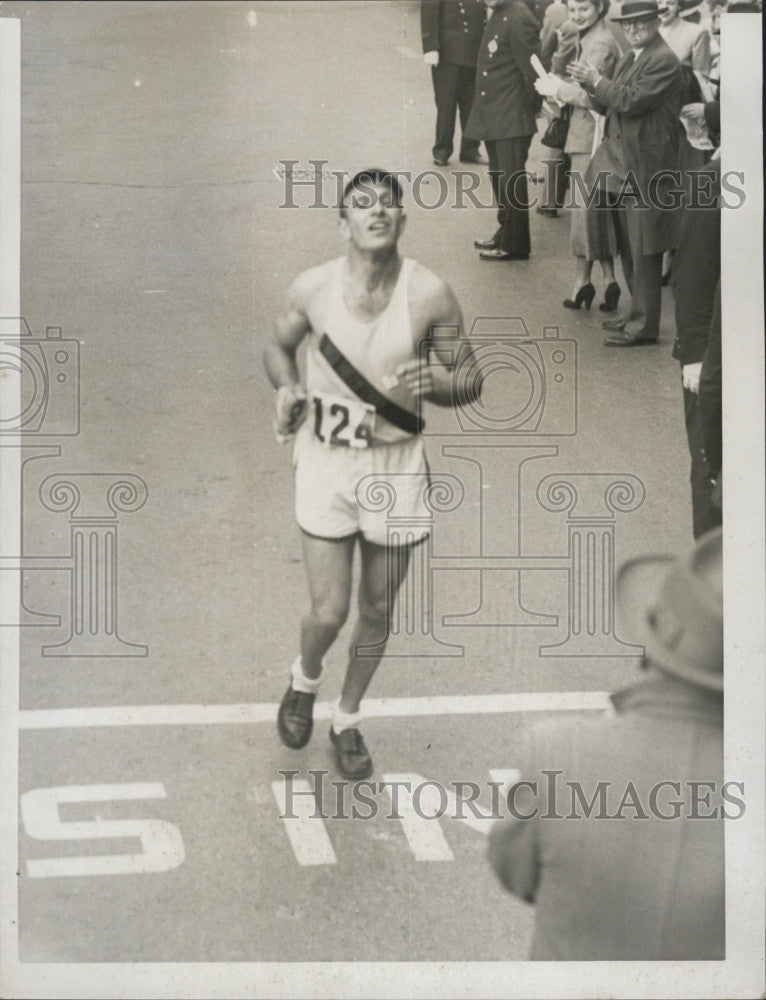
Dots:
pixel 365 316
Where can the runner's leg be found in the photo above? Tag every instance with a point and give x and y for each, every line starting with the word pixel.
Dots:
pixel 383 569
pixel 328 565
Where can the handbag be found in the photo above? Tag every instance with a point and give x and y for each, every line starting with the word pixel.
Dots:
pixel 555 135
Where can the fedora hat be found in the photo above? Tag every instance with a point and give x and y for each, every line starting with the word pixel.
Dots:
pixel 637 10
pixel 674 607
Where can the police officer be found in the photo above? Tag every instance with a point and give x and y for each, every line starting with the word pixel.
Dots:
pixel 452 31
pixel 503 115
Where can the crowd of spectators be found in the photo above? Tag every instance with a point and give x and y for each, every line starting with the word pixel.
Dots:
pixel 632 89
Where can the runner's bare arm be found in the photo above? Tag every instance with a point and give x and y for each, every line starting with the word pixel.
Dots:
pixel 291 326
pixel 434 375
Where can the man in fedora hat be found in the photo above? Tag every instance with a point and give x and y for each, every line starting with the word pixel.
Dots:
pixel 614 829
pixel 634 163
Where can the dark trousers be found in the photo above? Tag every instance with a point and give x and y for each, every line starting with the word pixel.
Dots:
pixel 705 515
pixel 453 91
pixel 643 276
pixel 507 162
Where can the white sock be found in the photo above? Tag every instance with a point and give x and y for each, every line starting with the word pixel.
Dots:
pixel 344 720
pixel 308 685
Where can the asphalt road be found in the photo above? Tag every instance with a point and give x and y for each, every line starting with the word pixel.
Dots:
pixel 154 233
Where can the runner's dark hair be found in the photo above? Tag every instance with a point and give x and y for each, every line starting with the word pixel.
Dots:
pixel 371 177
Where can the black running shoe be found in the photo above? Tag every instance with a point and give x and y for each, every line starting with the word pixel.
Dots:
pixel 294 720
pixel 351 754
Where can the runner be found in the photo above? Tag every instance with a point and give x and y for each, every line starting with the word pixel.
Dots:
pixel 366 316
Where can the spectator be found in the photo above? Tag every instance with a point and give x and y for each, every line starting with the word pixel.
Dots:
pixel 716 9
pixel 452 31
pixel 691 11
pixel 689 41
pixel 593 235
pixel 709 405
pixel 555 15
pixel 560 44
pixel 696 274
pixel 632 867
pixel 639 150
pixel 503 115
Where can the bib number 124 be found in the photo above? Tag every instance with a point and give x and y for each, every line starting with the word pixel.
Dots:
pixel 341 421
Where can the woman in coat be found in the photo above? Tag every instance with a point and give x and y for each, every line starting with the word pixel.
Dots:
pixel 690 42
pixel 593 235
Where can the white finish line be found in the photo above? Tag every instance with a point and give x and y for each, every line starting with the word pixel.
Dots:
pixel 250 714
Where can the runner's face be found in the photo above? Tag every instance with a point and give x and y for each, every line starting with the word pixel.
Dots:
pixel 373 221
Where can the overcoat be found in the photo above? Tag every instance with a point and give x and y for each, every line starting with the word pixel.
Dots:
pixel 599 48
pixel 642 103
pixel 616 870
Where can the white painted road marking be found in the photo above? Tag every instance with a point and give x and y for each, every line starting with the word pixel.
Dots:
pixel 253 713
pixel 305 830
pixel 162 847
pixel 424 835
pixel 416 803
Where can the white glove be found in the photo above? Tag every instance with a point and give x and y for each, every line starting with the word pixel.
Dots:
pixel 691 376
pixel 431 58
pixel 291 407
pixel 548 85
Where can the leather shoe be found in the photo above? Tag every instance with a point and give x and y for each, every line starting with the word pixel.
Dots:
pixel 439 161
pixel 474 158
pixel 628 340
pixel 499 254
pixel 485 244
pixel 614 325
pixel 294 719
pixel 351 754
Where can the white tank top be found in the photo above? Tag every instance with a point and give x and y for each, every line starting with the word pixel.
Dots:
pixel 376 349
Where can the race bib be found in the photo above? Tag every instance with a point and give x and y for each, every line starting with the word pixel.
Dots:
pixel 337 420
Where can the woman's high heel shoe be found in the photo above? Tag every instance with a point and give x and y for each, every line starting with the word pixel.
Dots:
pixel 585 294
pixel 611 298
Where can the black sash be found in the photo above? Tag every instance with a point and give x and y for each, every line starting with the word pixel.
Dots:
pixel 366 391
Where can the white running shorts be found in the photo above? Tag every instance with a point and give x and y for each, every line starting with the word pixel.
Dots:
pixel 378 491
